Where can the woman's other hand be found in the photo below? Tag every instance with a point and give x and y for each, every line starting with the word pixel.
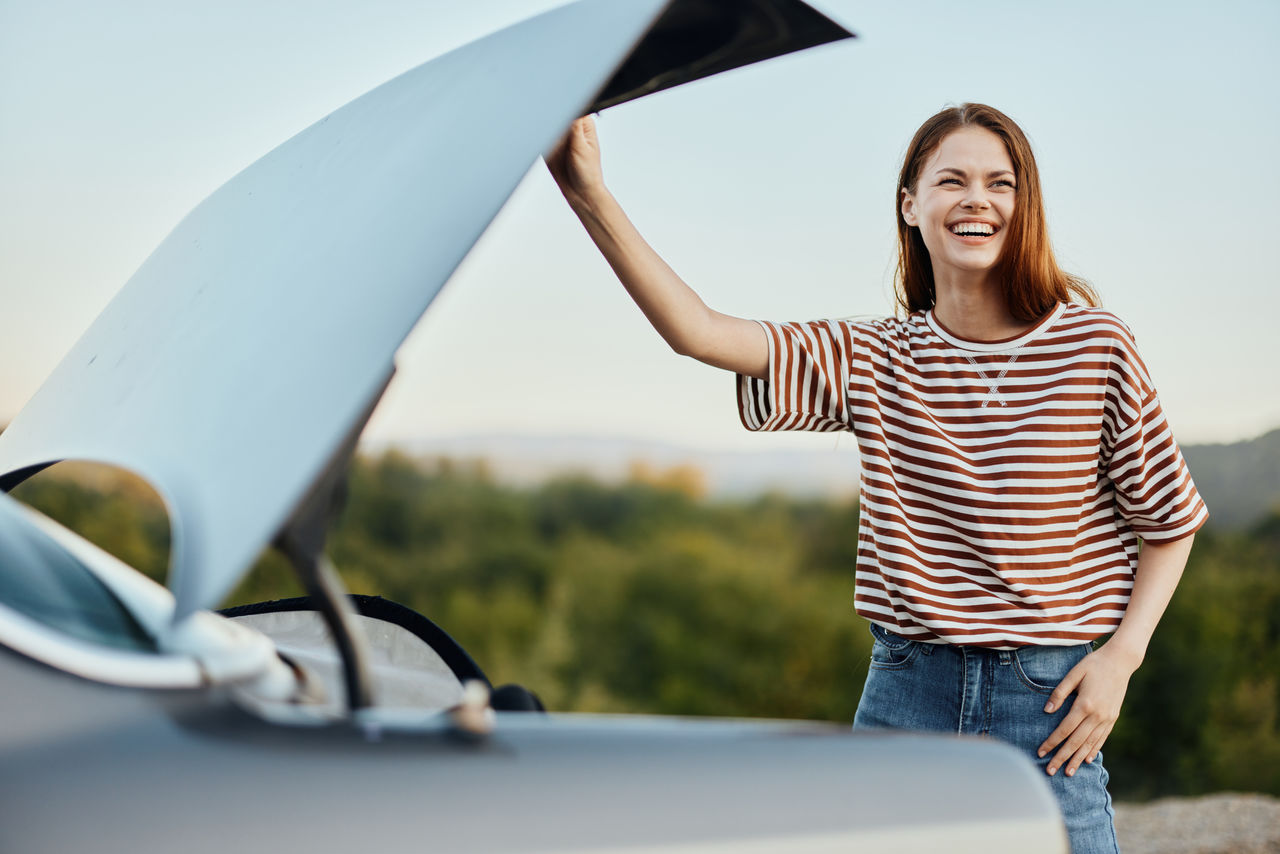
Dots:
pixel 575 163
pixel 1099 682
pixel 1101 678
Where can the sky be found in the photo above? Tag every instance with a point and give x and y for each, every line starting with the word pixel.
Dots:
pixel 767 188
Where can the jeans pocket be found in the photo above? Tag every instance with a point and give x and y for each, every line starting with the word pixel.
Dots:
pixel 1041 668
pixel 890 651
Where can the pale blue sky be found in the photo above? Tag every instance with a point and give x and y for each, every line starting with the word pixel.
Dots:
pixel 769 189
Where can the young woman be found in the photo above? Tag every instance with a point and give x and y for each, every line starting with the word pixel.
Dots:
pixel 1014 454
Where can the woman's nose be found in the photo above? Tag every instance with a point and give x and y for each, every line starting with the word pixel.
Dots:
pixel 975 200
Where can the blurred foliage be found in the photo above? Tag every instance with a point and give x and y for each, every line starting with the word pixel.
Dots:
pixel 647 596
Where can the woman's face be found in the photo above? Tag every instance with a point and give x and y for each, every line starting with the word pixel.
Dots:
pixel 963 201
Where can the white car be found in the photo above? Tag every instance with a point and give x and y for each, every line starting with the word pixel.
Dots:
pixel 234 371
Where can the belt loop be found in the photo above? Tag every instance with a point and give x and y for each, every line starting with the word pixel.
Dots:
pixel 1005 656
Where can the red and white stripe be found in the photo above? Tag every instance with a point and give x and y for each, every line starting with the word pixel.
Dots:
pixel 995 519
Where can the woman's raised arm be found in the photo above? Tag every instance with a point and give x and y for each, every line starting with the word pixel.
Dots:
pixel 679 314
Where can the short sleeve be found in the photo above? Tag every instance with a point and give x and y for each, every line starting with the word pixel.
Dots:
pixel 808 382
pixel 1154 490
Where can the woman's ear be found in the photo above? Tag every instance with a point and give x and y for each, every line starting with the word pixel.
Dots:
pixel 908 208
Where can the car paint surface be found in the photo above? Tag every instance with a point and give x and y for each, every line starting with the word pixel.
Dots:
pixel 189 771
pixel 286 293
pixel 228 372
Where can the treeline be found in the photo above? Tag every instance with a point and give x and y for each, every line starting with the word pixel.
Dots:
pixel 647 596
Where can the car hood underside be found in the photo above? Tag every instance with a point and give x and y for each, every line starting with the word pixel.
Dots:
pixel 239 360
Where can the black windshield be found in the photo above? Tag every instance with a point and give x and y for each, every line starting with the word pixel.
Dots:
pixel 42 581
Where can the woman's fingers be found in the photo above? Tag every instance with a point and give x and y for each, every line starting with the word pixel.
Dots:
pixel 1090 748
pixel 569 145
pixel 1078 738
pixel 1082 752
pixel 1099 684
pixel 1062 732
pixel 585 149
pixel 1065 687
pixel 587 127
pixel 1073 747
pixel 1057 697
pixel 575 160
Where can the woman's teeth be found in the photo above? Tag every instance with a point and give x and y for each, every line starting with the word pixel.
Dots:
pixel 973 228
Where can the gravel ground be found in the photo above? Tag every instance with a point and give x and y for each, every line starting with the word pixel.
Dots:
pixel 1214 824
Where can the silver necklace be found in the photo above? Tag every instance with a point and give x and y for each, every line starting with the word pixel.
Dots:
pixel 993 385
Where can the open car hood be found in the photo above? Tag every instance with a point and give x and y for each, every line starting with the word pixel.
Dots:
pixel 238 360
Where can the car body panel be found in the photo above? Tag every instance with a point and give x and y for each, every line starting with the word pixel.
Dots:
pixel 190 771
pixel 263 328
pixel 236 359
pixel 229 372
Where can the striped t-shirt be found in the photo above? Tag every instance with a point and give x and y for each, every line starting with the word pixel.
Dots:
pixel 1005 485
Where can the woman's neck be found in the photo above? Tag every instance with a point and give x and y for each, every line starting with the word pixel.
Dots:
pixel 976 310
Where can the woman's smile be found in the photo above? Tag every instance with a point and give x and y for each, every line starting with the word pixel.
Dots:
pixel 973 232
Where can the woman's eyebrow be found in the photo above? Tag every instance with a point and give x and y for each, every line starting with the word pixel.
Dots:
pixel 954 171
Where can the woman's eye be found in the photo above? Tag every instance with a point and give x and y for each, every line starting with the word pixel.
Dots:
pixel 955 181
pixel 1002 183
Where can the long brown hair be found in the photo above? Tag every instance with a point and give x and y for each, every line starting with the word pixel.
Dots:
pixel 1033 282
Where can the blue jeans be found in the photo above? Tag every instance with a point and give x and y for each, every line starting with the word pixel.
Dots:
pixel 997 693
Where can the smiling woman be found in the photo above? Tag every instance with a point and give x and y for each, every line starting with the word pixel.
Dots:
pixel 971 164
pixel 1013 449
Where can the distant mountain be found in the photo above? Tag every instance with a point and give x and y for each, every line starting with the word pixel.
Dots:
pixel 1240 482
pixel 529 459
